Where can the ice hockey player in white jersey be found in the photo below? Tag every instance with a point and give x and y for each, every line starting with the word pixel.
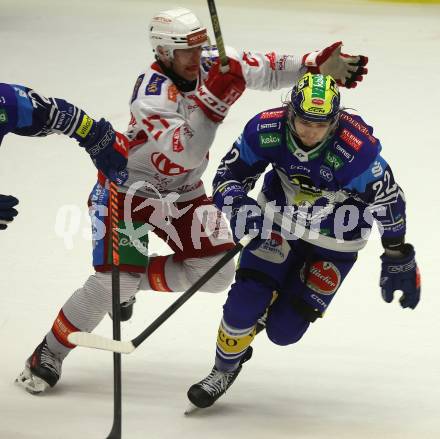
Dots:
pixel 177 106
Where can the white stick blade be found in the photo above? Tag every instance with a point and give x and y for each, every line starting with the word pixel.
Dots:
pixel 94 341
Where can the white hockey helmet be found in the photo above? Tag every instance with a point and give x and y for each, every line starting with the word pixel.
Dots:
pixel 176 28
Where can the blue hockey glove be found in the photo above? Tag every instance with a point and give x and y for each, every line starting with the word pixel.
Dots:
pixel 247 219
pixel 401 273
pixel 108 150
pixel 7 211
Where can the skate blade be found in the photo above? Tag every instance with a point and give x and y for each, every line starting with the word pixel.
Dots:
pixel 31 383
pixel 191 408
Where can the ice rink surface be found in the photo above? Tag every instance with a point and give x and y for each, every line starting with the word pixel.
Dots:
pixel 367 370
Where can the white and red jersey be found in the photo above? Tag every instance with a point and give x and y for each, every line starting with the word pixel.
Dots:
pixel 171 135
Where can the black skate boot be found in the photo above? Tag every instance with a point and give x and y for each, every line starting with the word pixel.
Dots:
pixel 126 309
pixel 206 392
pixel 42 370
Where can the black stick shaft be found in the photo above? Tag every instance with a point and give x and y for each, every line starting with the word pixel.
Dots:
pixel 186 295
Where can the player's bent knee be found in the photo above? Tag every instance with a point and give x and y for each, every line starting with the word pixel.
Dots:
pixel 286 327
pixel 284 337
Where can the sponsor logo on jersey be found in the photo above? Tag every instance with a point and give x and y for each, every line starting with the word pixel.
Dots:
pixel 136 243
pixel 268 126
pixel 197 38
pixel 85 127
pixel 323 278
pixel 272 114
pixel 165 166
pixel 300 168
pixel 326 173
pixel 136 87
pixel 172 93
pixel 344 152
pixel 333 161
pixel 274 250
pixel 3 116
pixel 269 140
pixel 351 140
pixel 154 87
pixel 361 127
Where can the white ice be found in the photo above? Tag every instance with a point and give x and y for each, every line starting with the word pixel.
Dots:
pixel 367 370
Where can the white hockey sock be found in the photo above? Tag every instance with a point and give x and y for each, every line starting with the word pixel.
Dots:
pixel 85 309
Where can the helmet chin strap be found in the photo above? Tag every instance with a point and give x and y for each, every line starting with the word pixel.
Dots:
pixel 182 84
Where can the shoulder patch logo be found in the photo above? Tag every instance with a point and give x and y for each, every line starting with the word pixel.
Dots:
pixel 136 87
pixel 351 140
pixel 154 87
pixel 269 140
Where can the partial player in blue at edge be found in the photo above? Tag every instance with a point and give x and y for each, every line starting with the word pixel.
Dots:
pixel 25 112
pixel 327 186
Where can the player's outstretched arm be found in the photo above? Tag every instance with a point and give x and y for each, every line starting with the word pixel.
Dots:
pixel 32 114
pixel 348 70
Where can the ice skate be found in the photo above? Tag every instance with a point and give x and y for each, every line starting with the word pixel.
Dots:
pixel 206 392
pixel 42 370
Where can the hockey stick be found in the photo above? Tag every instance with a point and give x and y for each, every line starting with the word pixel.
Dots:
pixel 116 430
pixel 224 64
pixel 127 347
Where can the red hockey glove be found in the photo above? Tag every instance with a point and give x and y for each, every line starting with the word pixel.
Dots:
pixel 348 70
pixel 220 90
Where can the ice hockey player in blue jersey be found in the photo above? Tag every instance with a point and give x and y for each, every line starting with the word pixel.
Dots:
pixel 25 112
pixel 327 185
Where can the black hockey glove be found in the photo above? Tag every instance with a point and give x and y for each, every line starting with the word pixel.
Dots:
pixel 7 211
pixel 400 272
